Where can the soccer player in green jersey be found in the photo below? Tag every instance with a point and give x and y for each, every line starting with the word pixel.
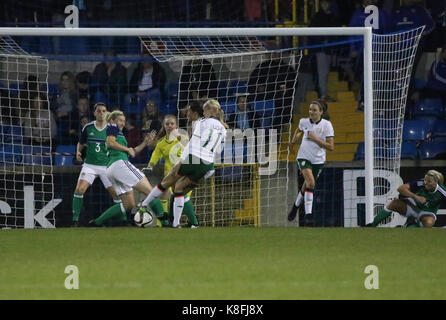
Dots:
pixel 123 175
pixel 92 138
pixel 420 201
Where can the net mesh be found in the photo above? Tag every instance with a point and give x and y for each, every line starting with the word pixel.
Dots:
pixel 26 132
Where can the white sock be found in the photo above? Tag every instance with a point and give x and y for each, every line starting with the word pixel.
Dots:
pixel 299 199
pixel 178 205
pixel 155 193
pixel 308 201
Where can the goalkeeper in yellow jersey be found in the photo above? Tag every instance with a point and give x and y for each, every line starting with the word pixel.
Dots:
pixel 169 148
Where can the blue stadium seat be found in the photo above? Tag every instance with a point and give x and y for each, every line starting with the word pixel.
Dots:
pixel 409 150
pixel 62 160
pixel 11 134
pixel 415 130
pixel 10 154
pixel 237 86
pixel 222 88
pixel 53 89
pixel 419 83
pixel 264 111
pixel 66 149
pixel 172 89
pixel 37 159
pixel 14 89
pixel 100 96
pixel 439 131
pixel 66 156
pixel 167 108
pixel 16 134
pixel 228 107
pixel 428 110
pixel 433 150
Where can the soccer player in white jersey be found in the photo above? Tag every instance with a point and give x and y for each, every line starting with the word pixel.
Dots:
pixel 197 159
pixel 317 137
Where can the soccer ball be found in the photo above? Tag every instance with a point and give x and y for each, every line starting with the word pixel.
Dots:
pixel 143 218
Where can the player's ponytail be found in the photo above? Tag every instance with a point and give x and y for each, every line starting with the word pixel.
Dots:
pixel 219 113
pixel 436 175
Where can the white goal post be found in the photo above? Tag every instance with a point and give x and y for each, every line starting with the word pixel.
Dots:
pixel 365 32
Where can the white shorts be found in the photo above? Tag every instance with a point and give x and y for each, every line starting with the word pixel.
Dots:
pixel 417 214
pixel 90 172
pixel 124 176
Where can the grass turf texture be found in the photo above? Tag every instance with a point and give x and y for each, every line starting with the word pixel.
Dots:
pixel 223 263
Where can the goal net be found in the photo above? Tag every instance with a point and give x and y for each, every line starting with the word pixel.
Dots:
pixel 26 127
pixel 264 88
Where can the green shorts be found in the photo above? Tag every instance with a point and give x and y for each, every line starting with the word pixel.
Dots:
pixel 195 169
pixel 315 168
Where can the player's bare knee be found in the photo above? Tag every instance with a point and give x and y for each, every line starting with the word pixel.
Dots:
pixel 397 206
pixel 310 184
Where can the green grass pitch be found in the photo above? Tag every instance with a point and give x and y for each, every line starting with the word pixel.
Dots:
pixel 223 263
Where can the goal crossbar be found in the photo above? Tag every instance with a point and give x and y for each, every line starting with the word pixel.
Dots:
pixel 366 32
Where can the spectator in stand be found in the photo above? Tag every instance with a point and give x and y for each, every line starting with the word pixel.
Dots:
pixel 111 78
pixel 436 83
pixel 412 14
pixel 66 99
pixel 148 75
pixel 39 123
pixel 198 81
pixel 151 118
pixel 243 118
pixel 438 37
pixel 79 118
pixel 83 85
pixel 274 79
pixel 354 69
pixel 323 18
pixel 29 89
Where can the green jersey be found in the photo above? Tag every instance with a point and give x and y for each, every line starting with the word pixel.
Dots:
pixel 433 199
pixel 95 140
pixel 115 155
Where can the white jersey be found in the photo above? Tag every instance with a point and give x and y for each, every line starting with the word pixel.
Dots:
pixel 309 149
pixel 206 141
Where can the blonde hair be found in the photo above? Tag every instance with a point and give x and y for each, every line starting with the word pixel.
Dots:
pixel 436 175
pixel 111 116
pixel 214 104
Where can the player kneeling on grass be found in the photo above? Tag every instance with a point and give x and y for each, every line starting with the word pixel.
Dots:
pixel 420 203
pixel 197 159
pixel 318 136
pixel 123 175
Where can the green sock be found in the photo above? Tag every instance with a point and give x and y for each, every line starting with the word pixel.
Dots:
pixel 78 200
pixel 189 211
pixel 413 225
pixel 157 207
pixel 111 212
pixel 381 216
